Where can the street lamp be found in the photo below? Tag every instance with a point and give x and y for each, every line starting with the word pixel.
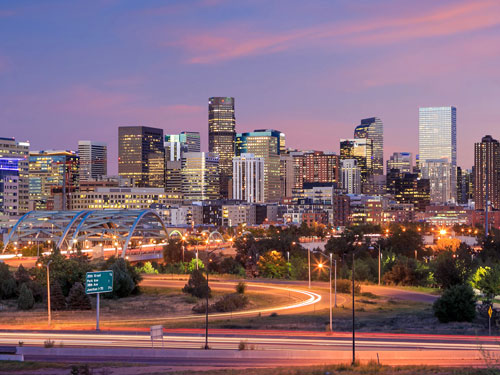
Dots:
pixel 48 288
pixel 320 266
pixel 353 308
pixel 206 302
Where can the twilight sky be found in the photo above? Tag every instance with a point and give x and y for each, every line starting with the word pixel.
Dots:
pixel 73 70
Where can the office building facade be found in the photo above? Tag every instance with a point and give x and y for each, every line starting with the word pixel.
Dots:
pixel 351 176
pixel 14 152
pixel 139 149
pixel 439 174
pixel 93 160
pixel 401 161
pixel 264 144
pixel 200 176
pixel 221 137
pixel 52 172
pixel 437 140
pixel 362 151
pixel 373 128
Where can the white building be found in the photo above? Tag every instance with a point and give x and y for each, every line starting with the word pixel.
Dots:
pixel 351 176
pixel 439 172
pixel 248 178
pixel 93 160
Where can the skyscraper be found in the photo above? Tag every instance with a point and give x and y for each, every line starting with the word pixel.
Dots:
pixel 221 137
pixel 137 146
pixel 361 150
pixel 373 128
pixel 264 144
pixel 248 178
pixel 487 172
pixel 200 176
pixel 52 172
pixel 437 139
pixel 351 176
pixel 18 152
pixel 176 144
pixel 93 160
pixel 438 172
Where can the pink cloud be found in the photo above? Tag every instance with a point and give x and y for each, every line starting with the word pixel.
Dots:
pixel 236 41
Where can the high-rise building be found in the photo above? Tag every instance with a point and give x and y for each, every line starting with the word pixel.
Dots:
pixel 200 176
pixel 9 187
pixel 351 176
pixel 487 173
pixel 137 146
pixel 408 188
pixel 93 160
pixel 264 144
pixel 287 175
pixel 173 176
pixel 176 144
pixel 362 151
pixel 248 178
pixel 12 151
pixel 315 167
pixel 437 139
pixel 439 172
pixel 373 128
pixel 402 161
pixel 52 172
pixel 465 185
pixel 221 137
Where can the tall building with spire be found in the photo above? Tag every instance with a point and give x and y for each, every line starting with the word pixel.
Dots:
pixel 373 128
pixel 221 137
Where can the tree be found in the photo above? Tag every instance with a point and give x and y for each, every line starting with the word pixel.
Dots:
pixel 125 278
pixel 57 300
pixel 25 300
pixel 22 275
pixel 407 272
pixel 172 251
pixel 457 304
pixel 487 280
pixel 453 268
pixel 273 265
pixel 197 285
pixel 8 285
pixel 77 299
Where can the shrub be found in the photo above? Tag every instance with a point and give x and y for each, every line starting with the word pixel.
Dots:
pixel 48 343
pixel 197 285
pixel 200 308
pixel 457 304
pixel 25 300
pixel 147 269
pixel 407 272
pixel 345 286
pixel 242 345
pixel 191 266
pixel 231 302
pixel 241 287
pixel 57 300
pixel 125 278
pixel 77 299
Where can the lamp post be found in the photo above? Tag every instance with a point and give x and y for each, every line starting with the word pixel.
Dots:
pixel 331 326
pixel 309 265
pixel 320 266
pixel 353 307
pixel 48 289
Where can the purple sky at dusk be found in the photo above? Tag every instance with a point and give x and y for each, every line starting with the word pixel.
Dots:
pixel 73 70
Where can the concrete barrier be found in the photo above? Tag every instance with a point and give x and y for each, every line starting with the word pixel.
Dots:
pixel 12 357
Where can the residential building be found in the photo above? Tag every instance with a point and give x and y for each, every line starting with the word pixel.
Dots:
pixel 351 176
pixel 487 173
pixel 9 187
pixel 248 178
pixel 221 137
pixel 438 172
pixel 287 175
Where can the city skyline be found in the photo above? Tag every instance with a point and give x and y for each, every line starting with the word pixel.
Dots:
pixel 162 76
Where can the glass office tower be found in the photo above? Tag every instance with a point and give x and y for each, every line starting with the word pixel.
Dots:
pixel 373 128
pixel 437 139
pixel 221 137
